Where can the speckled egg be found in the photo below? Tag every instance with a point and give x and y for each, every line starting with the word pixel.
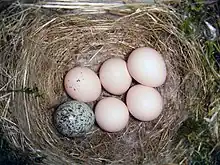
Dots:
pixel 82 84
pixel 73 118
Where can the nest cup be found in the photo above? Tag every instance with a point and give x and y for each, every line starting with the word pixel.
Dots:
pixel 47 46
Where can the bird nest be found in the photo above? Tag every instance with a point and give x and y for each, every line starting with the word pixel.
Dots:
pixel 39 47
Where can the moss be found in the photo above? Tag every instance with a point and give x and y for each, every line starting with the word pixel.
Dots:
pixel 197 139
pixel 196 135
pixel 195 13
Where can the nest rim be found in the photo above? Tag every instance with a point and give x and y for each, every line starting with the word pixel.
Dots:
pixel 192 66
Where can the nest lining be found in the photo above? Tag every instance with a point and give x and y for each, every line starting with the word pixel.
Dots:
pixel 46 46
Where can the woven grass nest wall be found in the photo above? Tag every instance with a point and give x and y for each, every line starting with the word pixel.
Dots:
pixel 44 46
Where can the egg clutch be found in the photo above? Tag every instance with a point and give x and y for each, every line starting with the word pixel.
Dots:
pixel 145 65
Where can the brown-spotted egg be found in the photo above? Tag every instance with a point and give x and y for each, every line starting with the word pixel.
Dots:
pixel 82 84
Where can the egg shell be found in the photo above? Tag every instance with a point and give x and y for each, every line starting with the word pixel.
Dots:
pixel 82 84
pixel 111 114
pixel 144 103
pixel 147 67
pixel 73 119
pixel 114 76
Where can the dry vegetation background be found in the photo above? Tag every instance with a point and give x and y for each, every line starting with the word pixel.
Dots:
pixel 39 46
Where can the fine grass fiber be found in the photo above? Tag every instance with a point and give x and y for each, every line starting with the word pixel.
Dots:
pixel 39 46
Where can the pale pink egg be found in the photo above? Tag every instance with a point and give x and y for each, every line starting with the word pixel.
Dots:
pixel 114 76
pixel 147 67
pixel 111 114
pixel 144 103
pixel 82 84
